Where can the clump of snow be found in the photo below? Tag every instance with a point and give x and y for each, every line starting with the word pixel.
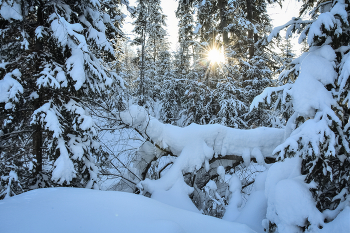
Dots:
pixel 48 117
pixel 177 196
pixel 221 172
pixel 83 119
pixel 12 11
pixel 211 185
pixel 235 184
pixel 312 101
pixel 259 183
pixel 12 177
pixel 64 167
pixel 10 88
pixel 75 65
pixel 232 210
pixel 316 71
pixel 198 27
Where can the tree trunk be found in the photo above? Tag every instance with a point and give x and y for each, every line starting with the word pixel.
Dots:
pixel 37 135
pixel 142 90
pixel 251 31
pixel 154 50
pixel 223 20
pixel 37 148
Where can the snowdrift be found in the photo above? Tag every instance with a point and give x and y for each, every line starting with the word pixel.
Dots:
pixel 84 210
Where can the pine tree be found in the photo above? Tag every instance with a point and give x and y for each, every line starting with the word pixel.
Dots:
pixel 318 130
pixel 55 63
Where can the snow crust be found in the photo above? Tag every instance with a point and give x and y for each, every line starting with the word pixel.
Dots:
pixel 83 210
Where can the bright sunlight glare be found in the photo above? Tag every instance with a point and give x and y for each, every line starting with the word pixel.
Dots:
pixel 216 56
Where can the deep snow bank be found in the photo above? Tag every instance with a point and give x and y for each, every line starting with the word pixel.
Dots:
pixel 82 210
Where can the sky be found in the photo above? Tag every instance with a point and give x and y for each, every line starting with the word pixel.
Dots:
pixel 279 17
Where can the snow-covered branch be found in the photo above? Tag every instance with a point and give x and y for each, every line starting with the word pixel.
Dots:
pixel 196 144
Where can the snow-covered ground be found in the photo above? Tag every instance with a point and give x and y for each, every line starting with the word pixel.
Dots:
pixel 83 210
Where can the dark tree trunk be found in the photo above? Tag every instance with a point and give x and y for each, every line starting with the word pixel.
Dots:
pixel 37 135
pixel 251 31
pixel 37 149
pixel 223 20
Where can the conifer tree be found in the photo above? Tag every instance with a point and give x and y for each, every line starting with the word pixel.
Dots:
pixel 149 28
pixel 317 91
pixel 55 58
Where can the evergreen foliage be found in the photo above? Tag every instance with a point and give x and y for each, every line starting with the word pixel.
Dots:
pixel 55 63
pixel 324 149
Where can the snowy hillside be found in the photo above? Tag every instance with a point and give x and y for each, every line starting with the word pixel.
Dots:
pixel 82 210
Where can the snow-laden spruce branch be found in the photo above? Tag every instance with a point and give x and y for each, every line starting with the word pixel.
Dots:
pixel 196 144
pixel 312 29
pixel 312 102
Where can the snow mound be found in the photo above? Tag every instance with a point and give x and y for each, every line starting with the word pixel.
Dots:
pixel 290 202
pixel 84 210
pixel 341 224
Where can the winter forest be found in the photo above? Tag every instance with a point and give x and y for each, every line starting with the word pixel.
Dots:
pixel 244 127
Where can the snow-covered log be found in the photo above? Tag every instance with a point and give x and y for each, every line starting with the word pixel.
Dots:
pixel 196 144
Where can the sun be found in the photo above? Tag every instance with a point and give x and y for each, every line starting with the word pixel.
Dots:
pixel 216 56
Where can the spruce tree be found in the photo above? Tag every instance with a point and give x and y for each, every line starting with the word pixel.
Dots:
pixel 150 36
pixel 55 59
pixel 317 91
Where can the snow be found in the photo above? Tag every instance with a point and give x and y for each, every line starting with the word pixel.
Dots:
pixel 177 196
pixel 235 187
pixel 235 184
pixel 221 172
pixel 340 224
pixel 232 210
pixel 11 177
pixel 290 203
pixel 196 144
pixel 198 27
pixel 64 167
pixel 326 20
pixel 294 204
pixel 83 119
pixel 75 65
pixel 10 88
pixel 308 92
pixel 82 210
pixel 48 117
pixel 254 211
pixel 211 185
pixel 316 71
pixel 11 12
